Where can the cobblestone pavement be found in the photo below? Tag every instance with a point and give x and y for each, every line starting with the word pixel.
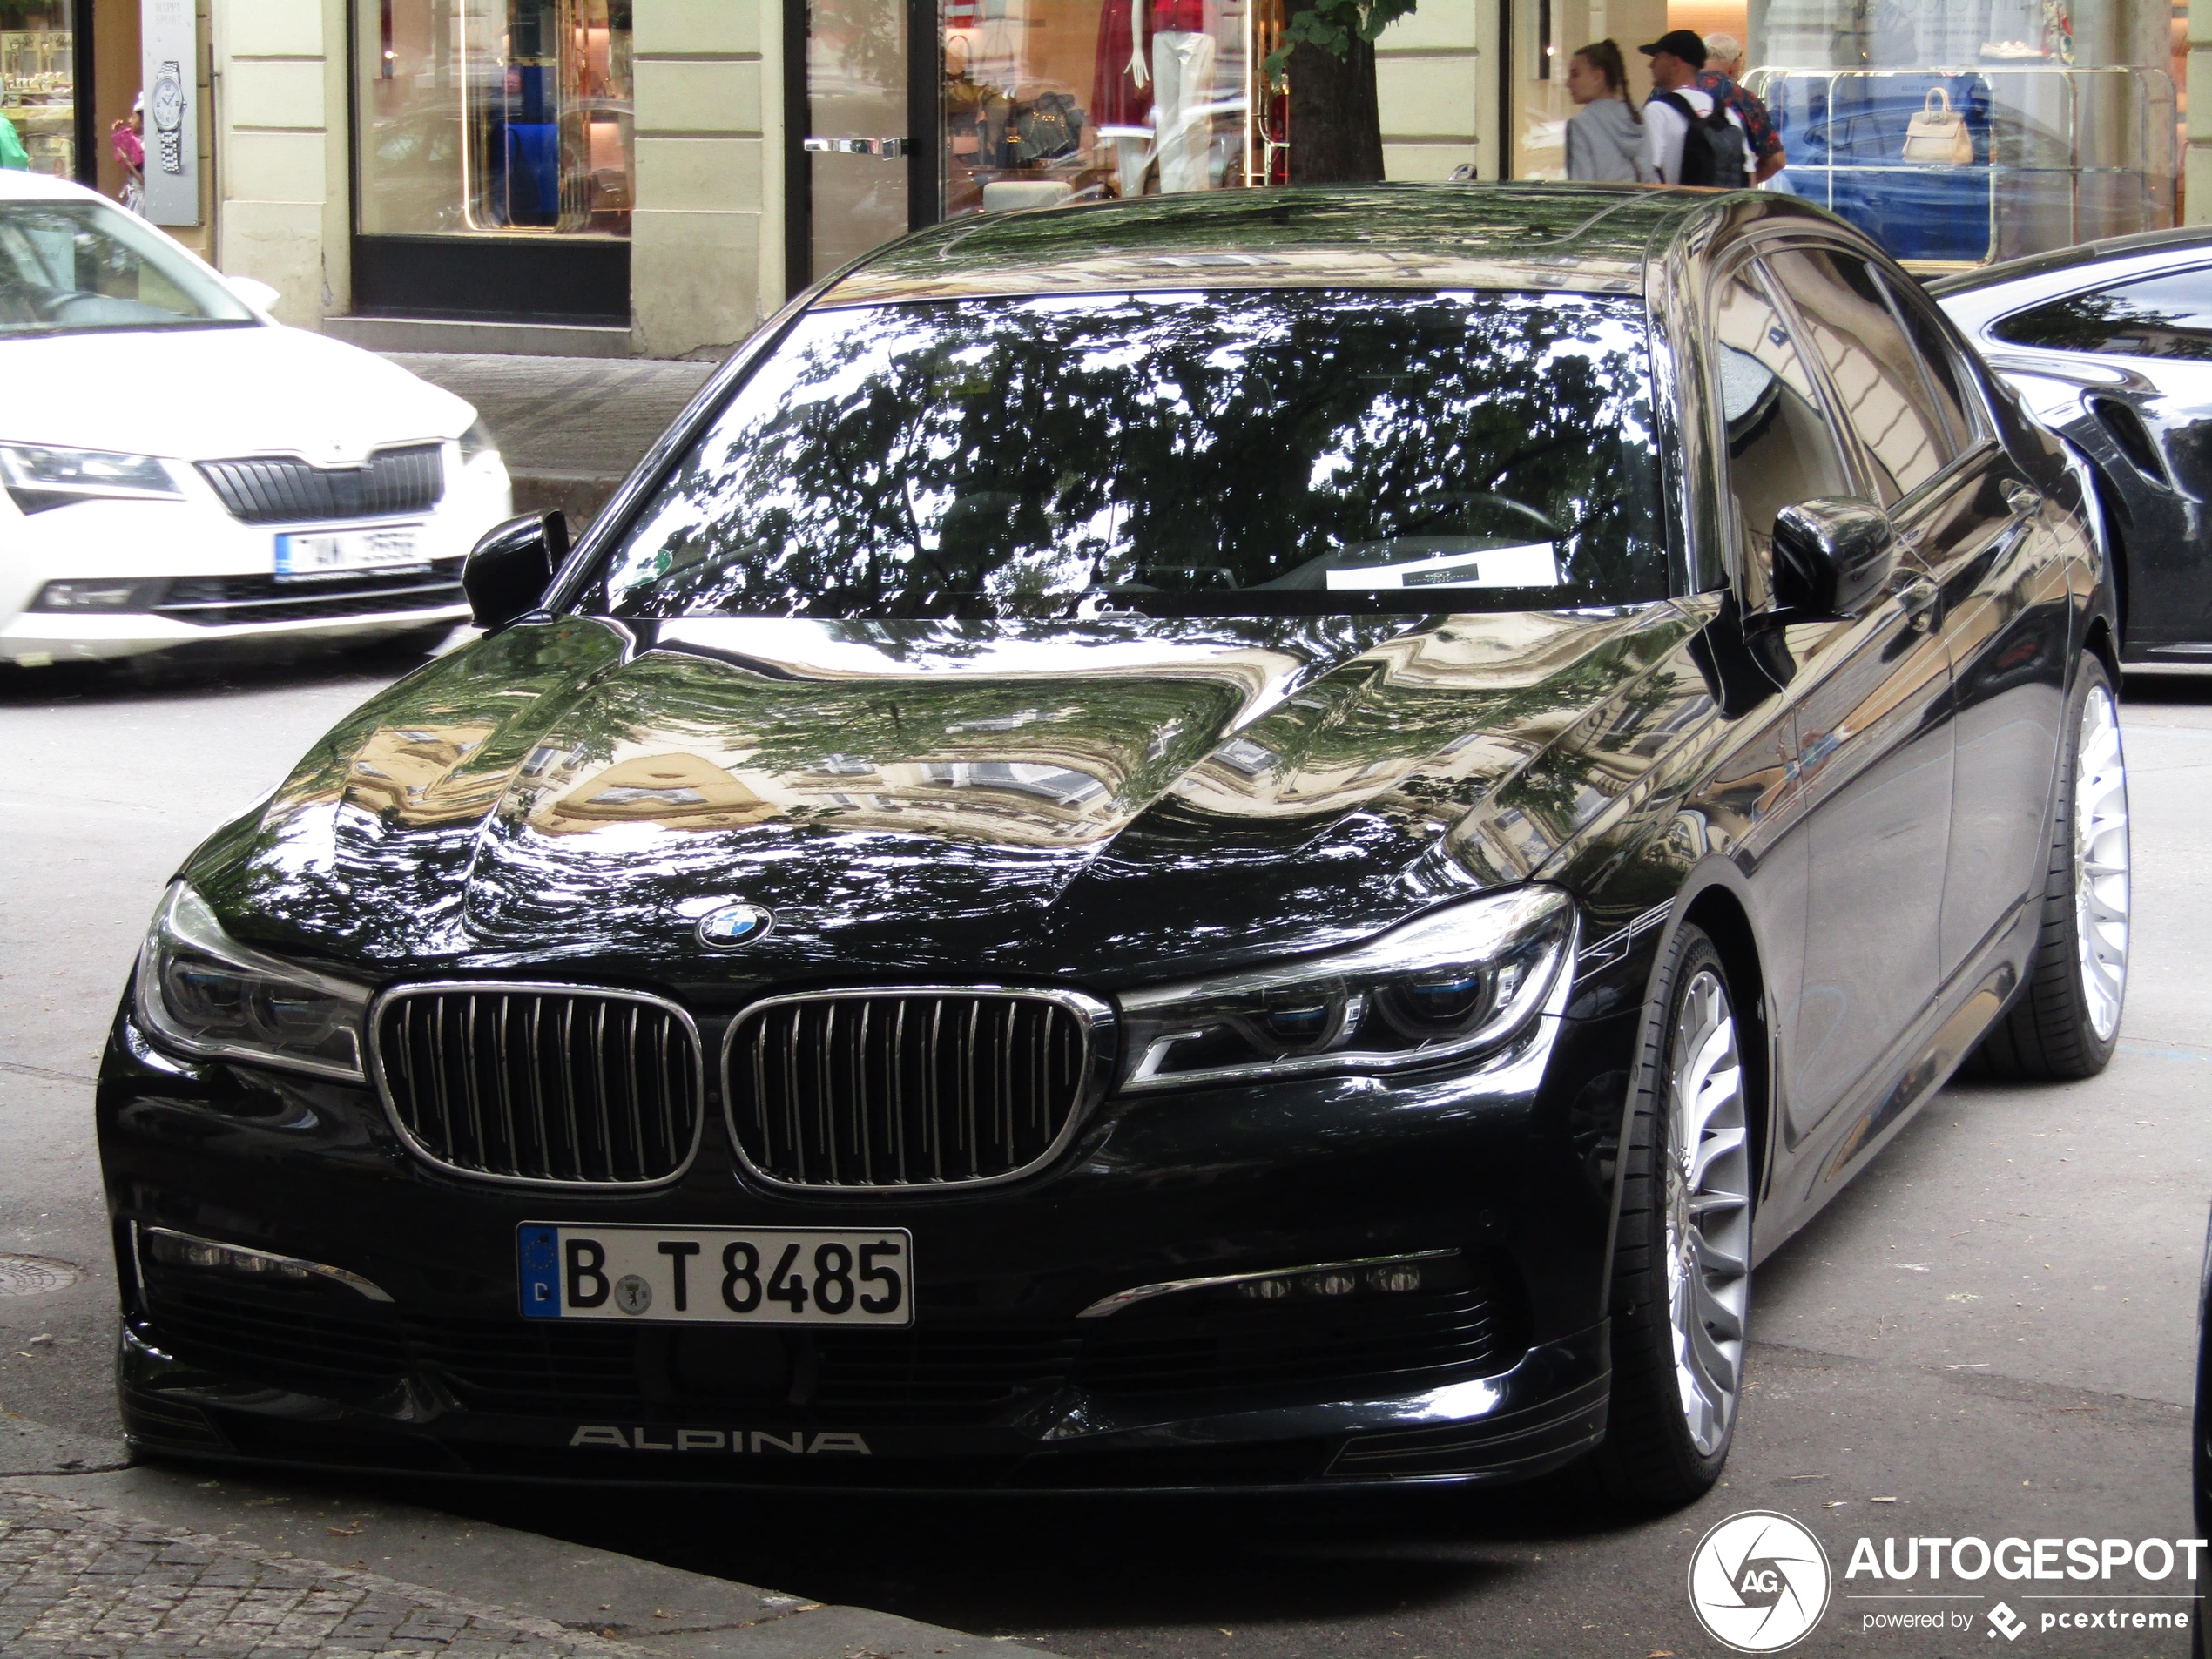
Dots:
pixel 77 1581
pixel 569 428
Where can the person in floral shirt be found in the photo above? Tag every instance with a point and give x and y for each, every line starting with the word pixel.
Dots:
pixel 1723 61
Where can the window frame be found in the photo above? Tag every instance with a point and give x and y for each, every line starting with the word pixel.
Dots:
pixel 1909 503
pixel 1755 581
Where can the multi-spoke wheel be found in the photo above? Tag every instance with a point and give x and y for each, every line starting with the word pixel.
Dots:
pixel 1681 1280
pixel 2066 1021
pixel 1706 1178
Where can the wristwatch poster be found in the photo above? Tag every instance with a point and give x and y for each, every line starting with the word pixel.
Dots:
pixel 168 109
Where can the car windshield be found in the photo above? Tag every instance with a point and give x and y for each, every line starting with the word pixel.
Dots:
pixel 70 268
pixel 1223 453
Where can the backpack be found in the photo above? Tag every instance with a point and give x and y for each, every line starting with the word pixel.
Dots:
pixel 1713 151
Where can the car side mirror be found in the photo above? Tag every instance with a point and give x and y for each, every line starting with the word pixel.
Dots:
pixel 508 572
pixel 1832 556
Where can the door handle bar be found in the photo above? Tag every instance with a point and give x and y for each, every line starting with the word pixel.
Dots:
pixel 890 149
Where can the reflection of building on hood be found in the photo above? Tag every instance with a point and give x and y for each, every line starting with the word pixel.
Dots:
pixel 407 772
pixel 1046 801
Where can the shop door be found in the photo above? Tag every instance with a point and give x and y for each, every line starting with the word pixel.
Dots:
pixel 862 164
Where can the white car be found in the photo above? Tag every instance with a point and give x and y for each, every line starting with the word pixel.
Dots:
pixel 177 468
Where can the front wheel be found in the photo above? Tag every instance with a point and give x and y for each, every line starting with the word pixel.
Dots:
pixel 1681 1275
pixel 2065 1022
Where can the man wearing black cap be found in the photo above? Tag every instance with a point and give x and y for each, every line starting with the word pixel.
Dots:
pixel 1677 99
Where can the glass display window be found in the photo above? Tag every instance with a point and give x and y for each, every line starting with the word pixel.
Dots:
pixel 38 82
pixel 509 117
pixel 1046 101
pixel 1961 132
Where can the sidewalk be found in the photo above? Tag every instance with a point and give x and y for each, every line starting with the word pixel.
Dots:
pixel 169 1563
pixel 569 428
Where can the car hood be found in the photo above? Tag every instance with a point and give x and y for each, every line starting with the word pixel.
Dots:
pixel 200 393
pixel 1112 802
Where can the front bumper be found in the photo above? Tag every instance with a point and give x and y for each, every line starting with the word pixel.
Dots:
pixel 997 1386
pixel 206 579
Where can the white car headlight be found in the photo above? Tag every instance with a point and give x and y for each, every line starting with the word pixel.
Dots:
pixel 477 441
pixel 1455 981
pixel 203 991
pixel 38 476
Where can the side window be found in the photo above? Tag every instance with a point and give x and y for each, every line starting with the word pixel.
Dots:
pixel 1781 448
pixel 2167 315
pixel 1873 366
pixel 1947 377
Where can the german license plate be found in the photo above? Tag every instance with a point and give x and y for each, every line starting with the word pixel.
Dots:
pixel 717 1275
pixel 301 555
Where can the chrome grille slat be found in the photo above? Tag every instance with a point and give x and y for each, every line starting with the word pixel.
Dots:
pixel 463 1071
pixel 945 1087
pixel 276 489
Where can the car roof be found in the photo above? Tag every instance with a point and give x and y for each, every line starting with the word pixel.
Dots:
pixel 2111 249
pixel 1576 238
pixel 18 186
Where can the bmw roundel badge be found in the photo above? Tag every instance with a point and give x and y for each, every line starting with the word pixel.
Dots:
pixel 734 925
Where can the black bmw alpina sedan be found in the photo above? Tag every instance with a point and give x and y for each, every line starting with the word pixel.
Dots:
pixel 1258 841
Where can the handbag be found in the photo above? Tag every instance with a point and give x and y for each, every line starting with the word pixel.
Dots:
pixel 1939 134
pixel 1047 128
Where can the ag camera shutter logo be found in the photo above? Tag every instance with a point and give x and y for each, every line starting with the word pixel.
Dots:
pixel 1759 1581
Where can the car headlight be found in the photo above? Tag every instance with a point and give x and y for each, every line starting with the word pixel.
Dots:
pixel 1453 982
pixel 201 991
pixel 477 441
pixel 38 477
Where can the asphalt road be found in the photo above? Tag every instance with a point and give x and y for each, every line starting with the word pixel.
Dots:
pixel 1991 1335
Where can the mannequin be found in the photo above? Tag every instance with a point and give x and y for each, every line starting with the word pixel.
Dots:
pixel 1183 56
pixel 1120 97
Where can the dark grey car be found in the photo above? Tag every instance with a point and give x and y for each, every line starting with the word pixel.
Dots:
pixel 2111 344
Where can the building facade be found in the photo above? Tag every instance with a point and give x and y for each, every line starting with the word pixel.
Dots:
pixel 655 177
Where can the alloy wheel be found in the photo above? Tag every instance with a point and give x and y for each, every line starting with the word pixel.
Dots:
pixel 1707 1209
pixel 2100 887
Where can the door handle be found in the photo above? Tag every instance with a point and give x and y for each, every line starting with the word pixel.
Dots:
pixel 890 149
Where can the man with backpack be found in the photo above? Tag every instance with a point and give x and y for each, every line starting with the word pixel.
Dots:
pixel 1687 137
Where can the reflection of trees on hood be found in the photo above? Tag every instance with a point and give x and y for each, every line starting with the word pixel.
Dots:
pixel 992 457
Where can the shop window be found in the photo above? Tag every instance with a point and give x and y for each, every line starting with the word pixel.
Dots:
pixel 1046 101
pixel 504 116
pixel 37 82
pixel 1957 134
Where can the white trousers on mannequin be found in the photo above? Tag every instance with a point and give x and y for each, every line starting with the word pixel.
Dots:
pixel 1132 158
pixel 1182 88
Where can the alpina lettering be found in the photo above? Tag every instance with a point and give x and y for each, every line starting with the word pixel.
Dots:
pixel 739 1442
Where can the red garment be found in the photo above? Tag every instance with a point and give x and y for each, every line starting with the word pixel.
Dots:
pixel 1117 100
pixel 1183 16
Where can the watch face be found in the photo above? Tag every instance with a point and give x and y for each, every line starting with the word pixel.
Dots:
pixel 168 103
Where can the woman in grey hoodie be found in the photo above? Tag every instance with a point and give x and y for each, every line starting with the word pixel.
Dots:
pixel 1605 139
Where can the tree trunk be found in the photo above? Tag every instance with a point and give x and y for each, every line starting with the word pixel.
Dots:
pixel 1336 123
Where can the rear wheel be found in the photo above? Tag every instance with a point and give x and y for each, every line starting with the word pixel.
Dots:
pixel 1681 1280
pixel 2065 1022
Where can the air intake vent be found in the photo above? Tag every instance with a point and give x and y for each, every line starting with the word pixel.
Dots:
pixel 909 1087
pixel 542 1083
pixel 284 490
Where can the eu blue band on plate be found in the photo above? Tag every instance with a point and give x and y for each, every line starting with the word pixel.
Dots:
pixel 539 1249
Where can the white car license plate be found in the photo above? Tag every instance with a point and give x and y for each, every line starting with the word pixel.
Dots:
pixel 301 555
pixel 717 1275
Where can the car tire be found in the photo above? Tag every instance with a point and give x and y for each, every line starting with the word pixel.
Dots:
pixel 2064 1023
pixel 1681 1282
